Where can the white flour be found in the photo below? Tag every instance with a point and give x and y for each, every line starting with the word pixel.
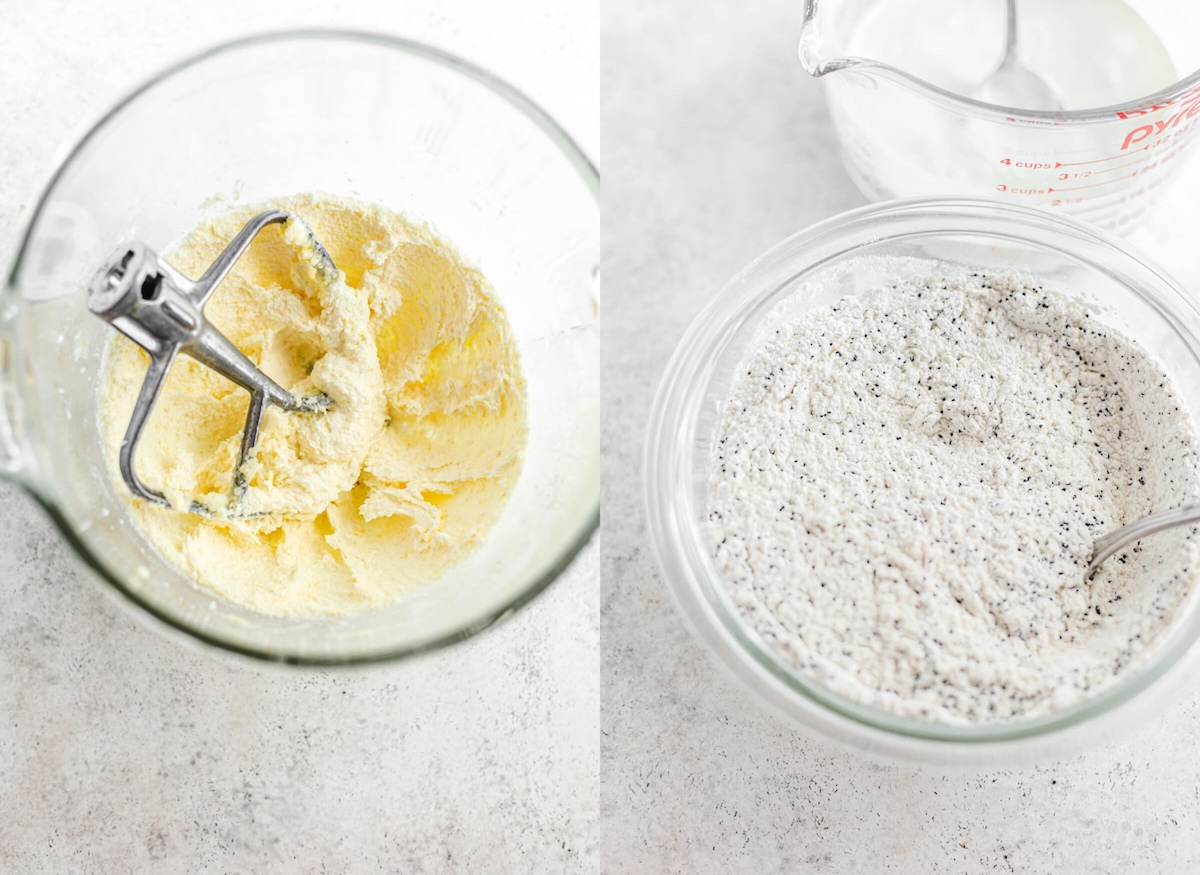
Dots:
pixel 905 488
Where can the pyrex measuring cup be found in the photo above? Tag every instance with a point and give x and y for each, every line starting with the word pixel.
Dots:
pixel 367 117
pixel 902 136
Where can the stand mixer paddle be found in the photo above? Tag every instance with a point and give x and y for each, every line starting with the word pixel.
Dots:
pixel 162 311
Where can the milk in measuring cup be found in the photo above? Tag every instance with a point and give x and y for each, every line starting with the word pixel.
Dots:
pixel 904 139
pixel 1097 53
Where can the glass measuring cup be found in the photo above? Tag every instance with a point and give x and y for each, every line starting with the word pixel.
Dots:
pixel 902 136
pixel 367 117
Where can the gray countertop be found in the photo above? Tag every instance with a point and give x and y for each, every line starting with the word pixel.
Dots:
pixel 124 750
pixel 717 145
pixel 121 748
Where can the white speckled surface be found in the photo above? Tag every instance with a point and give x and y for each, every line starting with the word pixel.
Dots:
pixel 120 749
pixel 717 146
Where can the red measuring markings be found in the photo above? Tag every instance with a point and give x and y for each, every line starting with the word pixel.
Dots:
pixel 1084 174
pixel 1095 184
pixel 1098 160
pixel 1141 160
pixel 1157 162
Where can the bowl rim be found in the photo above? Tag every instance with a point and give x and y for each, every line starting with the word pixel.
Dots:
pixel 500 88
pixel 667 468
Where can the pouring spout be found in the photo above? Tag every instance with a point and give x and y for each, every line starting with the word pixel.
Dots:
pixel 830 43
pixel 15 458
pixel 813 50
pixel 943 51
pixel 822 44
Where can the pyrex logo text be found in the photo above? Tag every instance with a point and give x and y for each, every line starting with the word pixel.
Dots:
pixel 1190 109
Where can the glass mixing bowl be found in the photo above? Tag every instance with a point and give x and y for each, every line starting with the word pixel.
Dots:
pixel 374 118
pixel 849 255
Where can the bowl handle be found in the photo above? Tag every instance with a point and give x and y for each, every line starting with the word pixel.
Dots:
pixel 14 460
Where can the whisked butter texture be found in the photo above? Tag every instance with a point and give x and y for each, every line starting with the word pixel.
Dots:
pixel 905 488
pixel 351 508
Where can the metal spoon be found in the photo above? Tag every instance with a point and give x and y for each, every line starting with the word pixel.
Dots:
pixel 1013 84
pixel 1116 541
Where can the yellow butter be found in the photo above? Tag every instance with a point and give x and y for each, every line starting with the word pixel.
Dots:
pixel 348 509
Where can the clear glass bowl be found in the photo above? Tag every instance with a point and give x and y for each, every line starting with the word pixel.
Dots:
pixel 849 255
pixel 374 118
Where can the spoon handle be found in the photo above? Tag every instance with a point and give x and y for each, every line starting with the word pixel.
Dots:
pixel 1138 529
pixel 1010 32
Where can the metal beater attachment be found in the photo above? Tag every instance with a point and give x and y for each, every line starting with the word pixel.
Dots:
pixel 162 311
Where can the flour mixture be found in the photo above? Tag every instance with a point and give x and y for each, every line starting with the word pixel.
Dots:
pixel 348 509
pixel 905 488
